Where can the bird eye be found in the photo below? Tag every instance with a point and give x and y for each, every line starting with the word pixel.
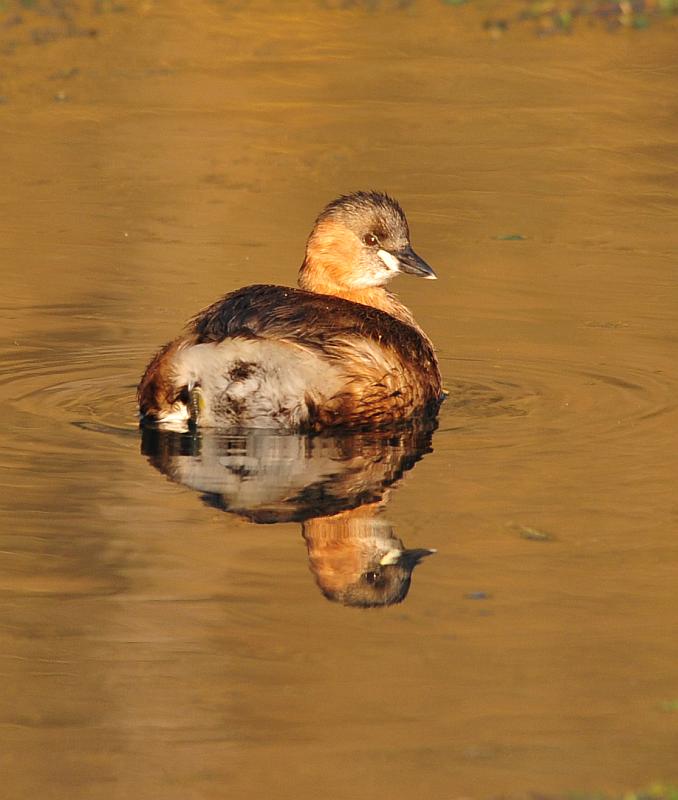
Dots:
pixel 371 240
pixel 371 577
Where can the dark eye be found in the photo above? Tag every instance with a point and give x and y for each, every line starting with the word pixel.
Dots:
pixel 371 577
pixel 371 240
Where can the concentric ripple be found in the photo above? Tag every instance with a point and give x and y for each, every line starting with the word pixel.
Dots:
pixel 515 401
pixel 71 384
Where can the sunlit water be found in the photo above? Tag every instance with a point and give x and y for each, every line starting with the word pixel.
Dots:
pixel 177 614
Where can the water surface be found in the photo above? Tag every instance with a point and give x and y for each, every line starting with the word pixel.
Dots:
pixel 160 638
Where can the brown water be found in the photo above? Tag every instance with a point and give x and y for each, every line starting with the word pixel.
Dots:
pixel 154 644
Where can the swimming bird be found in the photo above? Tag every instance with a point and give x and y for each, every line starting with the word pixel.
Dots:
pixel 340 351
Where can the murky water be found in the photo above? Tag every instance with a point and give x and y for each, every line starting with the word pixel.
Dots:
pixel 166 628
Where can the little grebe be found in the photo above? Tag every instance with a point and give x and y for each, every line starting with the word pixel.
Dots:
pixel 339 351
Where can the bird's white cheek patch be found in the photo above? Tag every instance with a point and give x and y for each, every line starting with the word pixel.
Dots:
pixel 389 259
pixel 391 557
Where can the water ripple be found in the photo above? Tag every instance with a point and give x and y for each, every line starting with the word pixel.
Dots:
pixel 518 400
pixel 513 400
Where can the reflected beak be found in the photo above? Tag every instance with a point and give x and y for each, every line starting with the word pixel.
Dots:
pixel 410 558
pixel 412 264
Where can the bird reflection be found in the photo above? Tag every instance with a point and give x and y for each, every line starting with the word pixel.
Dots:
pixel 357 559
pixel 335 485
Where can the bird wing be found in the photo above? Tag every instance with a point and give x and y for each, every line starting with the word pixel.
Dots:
pixel 306 318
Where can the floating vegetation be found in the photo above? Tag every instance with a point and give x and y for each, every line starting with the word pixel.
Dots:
pixel 657 791
pixel 550 17
pixel 532 534
pixel 546 17
pixel 41 22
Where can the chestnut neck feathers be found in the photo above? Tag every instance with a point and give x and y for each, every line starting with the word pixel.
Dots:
pixel 358 243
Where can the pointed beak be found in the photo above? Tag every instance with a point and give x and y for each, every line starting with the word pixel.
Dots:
pixel 410 558
pixel 412 264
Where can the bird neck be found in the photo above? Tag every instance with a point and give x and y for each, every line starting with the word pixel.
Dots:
pixel 315 277
pixel 380 298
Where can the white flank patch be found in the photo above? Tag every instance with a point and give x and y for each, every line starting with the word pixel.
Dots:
pixel 389 259
pixel 176 414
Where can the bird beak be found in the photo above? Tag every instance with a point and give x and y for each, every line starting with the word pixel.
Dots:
pixel 408 557
pixel 412 557
pixel 412 264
